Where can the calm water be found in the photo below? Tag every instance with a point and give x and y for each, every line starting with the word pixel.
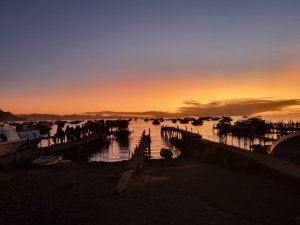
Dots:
pixel 117 152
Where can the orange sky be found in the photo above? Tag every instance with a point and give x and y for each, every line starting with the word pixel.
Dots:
pixel 158 93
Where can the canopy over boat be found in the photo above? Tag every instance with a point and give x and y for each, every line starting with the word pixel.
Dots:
pixel 31 134
pixel 9 132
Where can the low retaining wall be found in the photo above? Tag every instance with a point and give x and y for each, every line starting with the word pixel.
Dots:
pixel 235 158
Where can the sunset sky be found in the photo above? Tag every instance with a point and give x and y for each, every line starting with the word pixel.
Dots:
pixel 71 56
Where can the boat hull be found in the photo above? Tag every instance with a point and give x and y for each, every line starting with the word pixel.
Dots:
pixel 10 147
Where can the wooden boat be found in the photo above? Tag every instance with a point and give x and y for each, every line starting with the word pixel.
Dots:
pixel 46 160
pixel 197 122
pixel 166 153
pixel 156 122
pixel 184 121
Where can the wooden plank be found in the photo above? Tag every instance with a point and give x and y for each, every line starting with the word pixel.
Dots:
pixel 124 180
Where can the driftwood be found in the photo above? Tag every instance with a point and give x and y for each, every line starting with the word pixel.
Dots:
pixel 124 180
pixel 135 163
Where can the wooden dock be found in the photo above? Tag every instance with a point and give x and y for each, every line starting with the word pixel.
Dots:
pixel 168 132
pixel 24 157
pixel 136 162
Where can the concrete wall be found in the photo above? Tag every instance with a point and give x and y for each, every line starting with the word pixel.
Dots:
pixel 235 158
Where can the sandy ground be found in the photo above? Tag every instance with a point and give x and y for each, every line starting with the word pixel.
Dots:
pixel 181 191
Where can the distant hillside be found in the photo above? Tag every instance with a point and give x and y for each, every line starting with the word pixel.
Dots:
pixel 8 116
pixel 41 117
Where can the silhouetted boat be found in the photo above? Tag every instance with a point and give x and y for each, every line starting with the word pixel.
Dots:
pixel 184 121
pixel 197 122
pixel 253 125
pixel 156 122
pixel 76 122
pixel 228 118
pixel 166 153
pixel 43 126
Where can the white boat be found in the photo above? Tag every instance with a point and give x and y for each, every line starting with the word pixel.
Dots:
pixel 10 141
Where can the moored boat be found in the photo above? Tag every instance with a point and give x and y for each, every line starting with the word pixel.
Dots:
pixel 184 121
pixel 197 122
pixel 166 153
pixel 46 160
pixel 10 141
pixel 156 122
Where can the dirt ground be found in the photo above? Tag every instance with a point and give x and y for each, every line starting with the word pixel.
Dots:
pixel 181 191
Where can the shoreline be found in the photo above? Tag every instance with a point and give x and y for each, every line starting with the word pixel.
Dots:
pixel 180 191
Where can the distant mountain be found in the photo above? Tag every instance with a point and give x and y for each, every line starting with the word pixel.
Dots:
pixel 8 116
pixel 96 115
pixel 41 117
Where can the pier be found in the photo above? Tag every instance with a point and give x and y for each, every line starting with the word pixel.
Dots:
pixel 251 129
pixel 24 157
pixel 136 163
pixel 168 132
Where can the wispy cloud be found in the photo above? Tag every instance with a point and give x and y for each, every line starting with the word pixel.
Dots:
pixel 234 107
pixel 238 107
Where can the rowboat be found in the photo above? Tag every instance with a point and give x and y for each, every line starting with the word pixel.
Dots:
pixel 166 153
pixel 46 160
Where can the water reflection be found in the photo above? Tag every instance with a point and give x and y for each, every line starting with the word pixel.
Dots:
pixel 122 150
pixel 111 153
pixel 117 151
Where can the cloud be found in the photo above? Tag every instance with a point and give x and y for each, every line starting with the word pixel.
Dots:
pixel 192 102
pixel 238 107
pixel 233 107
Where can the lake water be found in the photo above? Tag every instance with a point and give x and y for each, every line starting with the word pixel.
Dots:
pixel 118 152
